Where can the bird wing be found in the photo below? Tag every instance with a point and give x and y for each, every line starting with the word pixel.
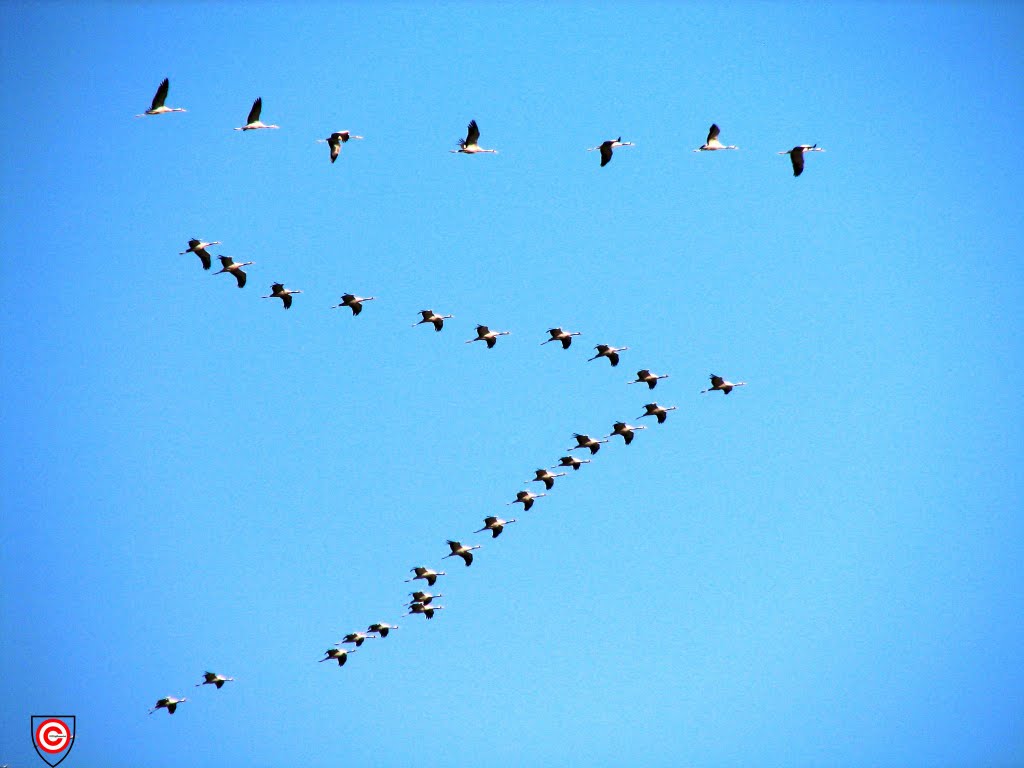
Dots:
pixel 716 381
pixel 642 374
pixel 287 299
pixel 606 153
pixel 226 261
pixel 566 342
pixel 613 357
pixel 357 307
pixel 254 113
pixel 491 342
pixel 662 415
pixel 239 276
pixel 454 545
pixel 161 94
pixel 172 706
pixel 204 256
pixel 472 133
pixel 482 330
pixel 335 146
pixel 713 133
pixel 549 482
pixel 219 683
pixel 797 156
pixel 468 557
pixel 438 323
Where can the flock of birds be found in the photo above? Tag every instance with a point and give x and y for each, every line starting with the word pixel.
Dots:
pixel 422 602
pixel 470 145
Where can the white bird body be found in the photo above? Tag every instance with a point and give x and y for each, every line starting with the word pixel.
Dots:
pixel 712 144
pixel 625 430
pixel 571 461
pixel 468 145
pixel 458 549
pixel 278 291
pixel 358 638
pixel 426 609
pixel 485 334
pixel 157 107
pixel 658 411
pixel 170 703
pixel 495 525
pixel 381 628
pixel 339 654
pixel 233 267
pixel 428 575
pixel 545 476
pixel 212 678
pixel 586 441
pixel 718 383
pixel 422 597
pixel 644 376
pixel 612 353
pixel 353 302
pixel 565 337
pixel 526 498
pixel 253 122
pixel 796 155
pixel 198 247
pixel 429 316
pixel 606 148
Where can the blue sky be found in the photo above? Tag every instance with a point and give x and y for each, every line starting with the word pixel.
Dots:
pixel 822 568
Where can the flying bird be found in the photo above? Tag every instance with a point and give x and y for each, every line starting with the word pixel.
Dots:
pixel 625 430
pixel 170 703
pixel 713 143
pixel 198 247
pixel 607 147
pixel 546 477
pixel 571 461
pixel 426 574
pixel 353 302
pixel 341 654
pixel 422 597
pixel 212 678
pixel 495 525
pixel 426 609
pixel 458 549
pixel 796 155
pixel 483 333
pixel 381 628
pixel 253 122
pixel 557 334
pixel 469 144
pixel 718 383
pixel 335 140
pixel 233 267
pixel 659 411
pixel 429 316
pixel 612 353
pixel 355 637
pixel 646 377
pixel 526 498
pixel 157 107
pixel 586 441
pixel 278 291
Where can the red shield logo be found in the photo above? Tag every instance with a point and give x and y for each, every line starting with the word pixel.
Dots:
pixel 53 736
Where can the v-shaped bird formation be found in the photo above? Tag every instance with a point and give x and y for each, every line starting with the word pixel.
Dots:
pixel 422 602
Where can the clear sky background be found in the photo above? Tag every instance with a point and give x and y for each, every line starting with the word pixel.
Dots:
pixel 823 568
